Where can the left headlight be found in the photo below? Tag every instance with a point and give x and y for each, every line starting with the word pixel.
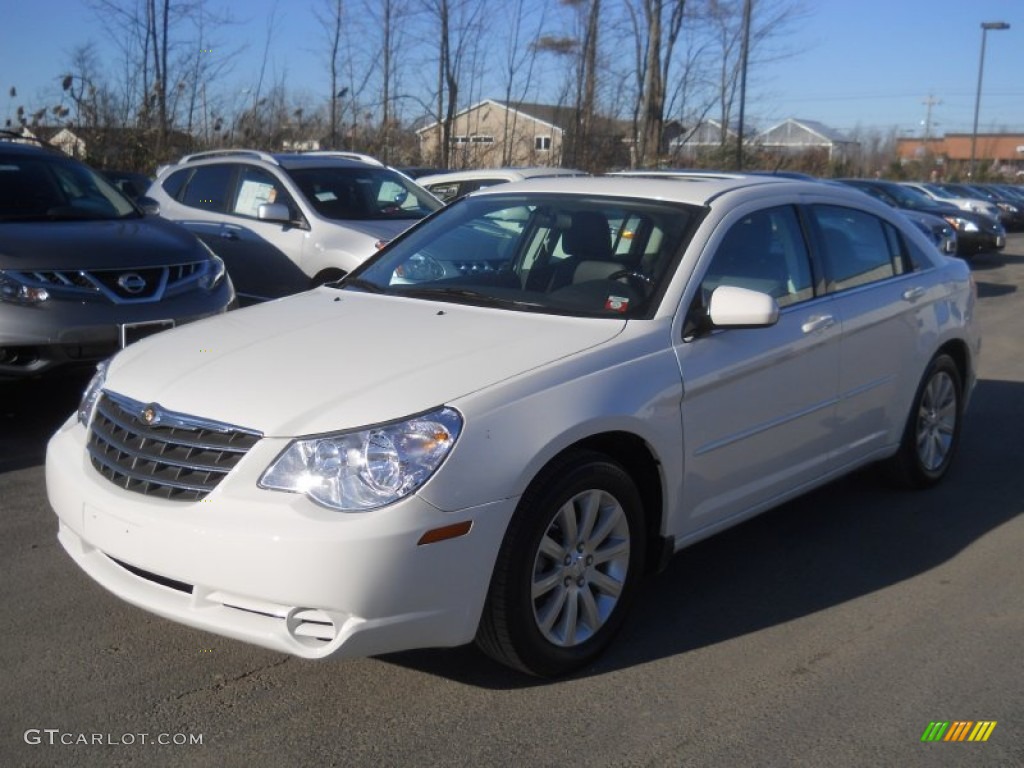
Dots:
pixel 214 274
pixel 92 393
pixel 370 468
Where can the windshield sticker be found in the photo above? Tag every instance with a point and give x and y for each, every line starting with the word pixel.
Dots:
pixel 617 304
pixel 326 196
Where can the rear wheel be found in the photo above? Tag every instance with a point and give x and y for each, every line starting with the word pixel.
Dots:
pixel 932 432
pixel 567 569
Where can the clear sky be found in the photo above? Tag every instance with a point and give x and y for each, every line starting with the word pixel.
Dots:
pixel 851 63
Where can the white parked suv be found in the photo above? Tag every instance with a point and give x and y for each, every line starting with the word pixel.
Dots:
pixel 493 428
pixel 285 222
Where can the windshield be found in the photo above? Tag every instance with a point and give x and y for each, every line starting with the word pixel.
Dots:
pixel 51 188
pixel 908 197
pixel 364 194
pixel 562 254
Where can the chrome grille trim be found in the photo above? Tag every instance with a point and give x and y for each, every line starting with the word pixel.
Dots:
pixel 104 282
pixel 176 456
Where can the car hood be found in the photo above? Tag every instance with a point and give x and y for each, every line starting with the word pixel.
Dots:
pixel 104 244
pixel 328 360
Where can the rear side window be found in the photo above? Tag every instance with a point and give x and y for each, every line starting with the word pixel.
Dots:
pixel 858 248
pixel 174 183
pixel 209 188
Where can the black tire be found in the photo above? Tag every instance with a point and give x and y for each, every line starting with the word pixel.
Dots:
pixel 932 433
pixel 575 569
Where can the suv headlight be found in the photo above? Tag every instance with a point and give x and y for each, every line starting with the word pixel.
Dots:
pixel 13 290
pixel 215 272
pixel 369 468
pixel 92 393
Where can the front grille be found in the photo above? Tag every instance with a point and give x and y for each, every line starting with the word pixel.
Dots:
pixel 169 455
pixel 120 286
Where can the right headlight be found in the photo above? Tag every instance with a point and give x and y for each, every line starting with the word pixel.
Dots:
pixel 92 393
pixel 13 290
pixel 368 468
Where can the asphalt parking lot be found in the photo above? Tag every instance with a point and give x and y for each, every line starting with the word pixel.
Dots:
pixel 829 632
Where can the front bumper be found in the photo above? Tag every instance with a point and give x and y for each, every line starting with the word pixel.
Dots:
pixel 58 333
pixel 274 569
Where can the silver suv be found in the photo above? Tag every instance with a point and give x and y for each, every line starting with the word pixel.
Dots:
pixel 82 271
pixel 286 222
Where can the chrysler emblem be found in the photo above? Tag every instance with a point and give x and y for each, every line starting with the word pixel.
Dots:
pixel 132 282
pixel 150 415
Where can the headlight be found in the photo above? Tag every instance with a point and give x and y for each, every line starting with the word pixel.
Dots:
pixel 13 290
pixel 355 471
pixel 92 393
pixel 963 225
pixel 214 274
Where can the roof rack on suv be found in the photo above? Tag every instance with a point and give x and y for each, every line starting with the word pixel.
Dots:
pixel 254 153
pixel 20 138
pixel 346 155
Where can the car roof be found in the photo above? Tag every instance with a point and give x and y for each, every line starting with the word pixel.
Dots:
pixel 509 174
pixel 694 190
pixel 287 160
pixel 26 146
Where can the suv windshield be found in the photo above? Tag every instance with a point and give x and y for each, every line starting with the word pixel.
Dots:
pixel 48 188
pixel 549 253
pixel 363 193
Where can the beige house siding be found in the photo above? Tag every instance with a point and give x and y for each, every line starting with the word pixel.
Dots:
pixel 479 134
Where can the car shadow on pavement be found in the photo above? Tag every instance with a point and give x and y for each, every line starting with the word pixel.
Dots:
pixel 848 539
pixel 31 410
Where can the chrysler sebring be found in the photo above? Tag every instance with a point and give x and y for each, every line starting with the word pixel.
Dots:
pixel 492 429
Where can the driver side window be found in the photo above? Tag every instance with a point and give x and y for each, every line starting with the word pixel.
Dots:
pixel 763 251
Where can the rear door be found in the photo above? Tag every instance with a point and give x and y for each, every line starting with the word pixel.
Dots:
pixel 883 299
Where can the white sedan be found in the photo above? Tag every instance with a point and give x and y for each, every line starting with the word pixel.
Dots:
pixel 494 427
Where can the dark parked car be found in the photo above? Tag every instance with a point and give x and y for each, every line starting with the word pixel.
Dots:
pixel 976 232
pixel 1011 207
pixel 83 272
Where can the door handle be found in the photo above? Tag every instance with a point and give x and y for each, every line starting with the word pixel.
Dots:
pixel 818 323
pixel 913 294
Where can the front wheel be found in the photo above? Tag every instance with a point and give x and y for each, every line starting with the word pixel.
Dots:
pixel 932 432
pixel 567 569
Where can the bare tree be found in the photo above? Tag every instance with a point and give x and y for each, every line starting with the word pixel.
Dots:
pixel 332 19
pixel 518 67
pixel 663 21
pixel 455 24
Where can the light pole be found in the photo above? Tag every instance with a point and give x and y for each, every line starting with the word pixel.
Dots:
pixel 985 27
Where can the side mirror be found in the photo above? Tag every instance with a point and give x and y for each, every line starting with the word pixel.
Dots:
pixel 734 307
pixel 148 205
pixel 273 212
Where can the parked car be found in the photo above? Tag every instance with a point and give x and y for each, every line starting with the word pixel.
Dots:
pixel 943 194
pixel 286 222
pixel 450 185
pixel 424 455
pixel 1011 207
pixel 976 233
pixel 83 272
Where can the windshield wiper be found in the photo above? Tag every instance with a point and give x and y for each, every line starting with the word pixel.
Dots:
pixel 357 282
pixel 469 296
